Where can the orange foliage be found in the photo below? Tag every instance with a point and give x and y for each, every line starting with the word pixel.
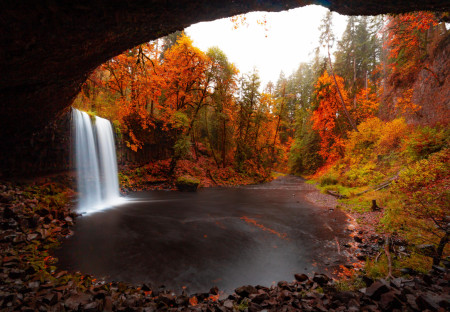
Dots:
pixel 367 103
pixel 326 117
pixel 407 42
pixel 136 88
pixel 187 99
pixel 405 105
pixel 185 83
pixel 241 20
pixel 150 90
pixel 193 301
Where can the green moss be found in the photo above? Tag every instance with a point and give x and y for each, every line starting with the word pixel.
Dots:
pixel 187 183
pixel 275 174
pixel 351 284
pixel 188 180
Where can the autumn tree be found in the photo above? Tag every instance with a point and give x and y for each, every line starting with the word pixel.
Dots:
pixel 247 101
pixel 304 153
pixel 220 130
pixel 327 118
pixel 407 43
pixel 185 90
pixel 134 80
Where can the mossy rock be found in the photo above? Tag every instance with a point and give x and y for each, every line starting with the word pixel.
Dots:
pixel 187 183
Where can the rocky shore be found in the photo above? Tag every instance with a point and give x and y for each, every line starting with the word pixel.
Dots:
pixel 33 220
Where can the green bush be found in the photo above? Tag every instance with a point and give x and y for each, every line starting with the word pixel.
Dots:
pixel 421 213
pixel 426 141
pixel 328 179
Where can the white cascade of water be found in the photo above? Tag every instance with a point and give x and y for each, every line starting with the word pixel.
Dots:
pixel 108 161
pixel 88 179
pixel 96 163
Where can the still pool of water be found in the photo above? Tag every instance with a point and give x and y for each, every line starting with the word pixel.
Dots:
pixel 225 237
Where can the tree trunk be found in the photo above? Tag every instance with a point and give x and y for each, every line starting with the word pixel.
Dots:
pixel 209 139
pixel 444 240
pixel 350 120
pixel 224 134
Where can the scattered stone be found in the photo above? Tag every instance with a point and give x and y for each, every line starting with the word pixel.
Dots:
pixel 8 213
pixel 390 301
pixel 375 290
pixel 358 239
pixel 91 307
pixel 75 301
pixel 321 279
pixel 245 291
pixel 228 304
pixel 427 301
pixel 21 288
pixel 408 271
pixel 301 277
pixel 438 269
pixel 214 291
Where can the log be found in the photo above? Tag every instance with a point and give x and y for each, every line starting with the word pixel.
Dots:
pixel 336 194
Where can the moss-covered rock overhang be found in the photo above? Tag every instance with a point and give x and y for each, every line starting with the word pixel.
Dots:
pixel 48 47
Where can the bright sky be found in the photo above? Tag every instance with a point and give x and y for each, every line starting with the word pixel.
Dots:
pixel 291 37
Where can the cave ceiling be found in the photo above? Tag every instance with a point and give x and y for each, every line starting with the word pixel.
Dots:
pixel 47 48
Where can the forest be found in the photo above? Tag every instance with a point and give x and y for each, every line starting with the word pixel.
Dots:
pixel 349 122
pixel 363 125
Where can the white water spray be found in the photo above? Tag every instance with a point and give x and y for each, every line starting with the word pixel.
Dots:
pixel 108 163
pixel 96 163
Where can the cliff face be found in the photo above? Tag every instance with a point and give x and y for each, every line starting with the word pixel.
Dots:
pixel 47 47
pixel 432 86
pixel 430 89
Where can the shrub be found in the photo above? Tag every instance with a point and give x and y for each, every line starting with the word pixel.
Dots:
pixel 392 135
pixel 363 141
pixel 360 175
pixel 425 141
pixel 423 190
pixel 328 179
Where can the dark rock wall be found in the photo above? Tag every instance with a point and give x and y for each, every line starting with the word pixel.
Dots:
pixel 47 47
pixel 48 150
pixel 431 89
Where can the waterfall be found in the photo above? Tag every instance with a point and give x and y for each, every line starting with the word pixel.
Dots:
pixel 108 163
pixel 95 160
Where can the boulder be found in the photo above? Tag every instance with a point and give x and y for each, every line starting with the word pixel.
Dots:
pixel 187 183
pixel 390 301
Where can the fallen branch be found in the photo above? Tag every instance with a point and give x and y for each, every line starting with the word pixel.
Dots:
pixel 378 256
pixel 336 194
pixel 381 185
